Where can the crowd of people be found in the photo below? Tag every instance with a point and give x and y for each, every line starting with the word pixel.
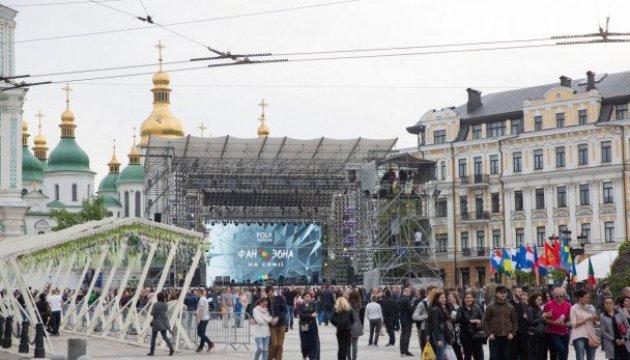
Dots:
pixel 517 323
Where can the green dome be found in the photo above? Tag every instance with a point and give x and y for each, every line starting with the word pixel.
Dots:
pixel 110 202
pixel 133 173
pixel 68 156
pixel 32 168
pixel 108 184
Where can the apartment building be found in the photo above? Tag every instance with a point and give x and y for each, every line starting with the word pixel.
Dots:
pixel 518 166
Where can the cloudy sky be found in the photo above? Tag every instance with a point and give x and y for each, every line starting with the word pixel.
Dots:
pixel 374 97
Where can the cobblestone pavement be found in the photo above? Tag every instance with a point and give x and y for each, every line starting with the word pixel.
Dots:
pixel 99 348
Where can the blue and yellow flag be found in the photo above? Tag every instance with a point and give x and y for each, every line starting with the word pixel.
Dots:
pixel 507 261
pixel 566 261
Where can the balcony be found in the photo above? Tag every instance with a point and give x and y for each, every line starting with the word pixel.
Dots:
pixel 481 251
pixel 475 216
pixel 476 181
pixel 474 252
pixel 466 252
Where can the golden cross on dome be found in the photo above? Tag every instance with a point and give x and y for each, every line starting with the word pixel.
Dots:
pixel 263 105
pixel 114 146
pixel 134 136
pixel 202 127
pixel 67 89
pixel 39 116
pixel 159 46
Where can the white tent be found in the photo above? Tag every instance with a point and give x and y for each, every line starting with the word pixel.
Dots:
pixel 601 265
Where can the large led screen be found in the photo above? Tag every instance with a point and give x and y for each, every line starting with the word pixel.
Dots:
pixel 255 252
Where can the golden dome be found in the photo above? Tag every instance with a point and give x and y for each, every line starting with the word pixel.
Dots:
pixel 161 122
pixel 40 140
pixel 263 129
pixel 161 78
pixel 67 117
pixel 134 154
pixel 114 164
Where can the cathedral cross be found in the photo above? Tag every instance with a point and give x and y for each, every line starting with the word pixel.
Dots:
pixel 263 105
pixel 39 116
pixel 67 89
pixel 159 46
pixel 202 127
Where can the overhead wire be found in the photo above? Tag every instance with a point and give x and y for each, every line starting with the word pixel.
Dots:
pixel 58 3
pixel 310 53
pixel 227 17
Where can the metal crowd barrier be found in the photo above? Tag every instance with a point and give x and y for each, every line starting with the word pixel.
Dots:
pixel 231 329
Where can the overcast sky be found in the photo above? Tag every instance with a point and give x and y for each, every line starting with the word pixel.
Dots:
pixel 372 98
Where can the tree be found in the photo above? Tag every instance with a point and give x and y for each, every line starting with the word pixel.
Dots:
pixel 91 209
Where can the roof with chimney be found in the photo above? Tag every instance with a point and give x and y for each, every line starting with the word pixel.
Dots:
pixel 613 87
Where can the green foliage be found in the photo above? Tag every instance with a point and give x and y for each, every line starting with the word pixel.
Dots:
pixel 91 209
pixel 525 278
pixel 558 276
pixel 618 281
pixel 624 246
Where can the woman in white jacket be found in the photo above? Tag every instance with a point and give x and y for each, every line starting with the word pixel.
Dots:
pixel 260 329
pixel 374 316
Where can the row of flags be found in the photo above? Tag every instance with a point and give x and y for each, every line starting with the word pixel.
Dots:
pixel 525 258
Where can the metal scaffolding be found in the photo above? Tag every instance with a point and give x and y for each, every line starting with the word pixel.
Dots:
pixel 383 231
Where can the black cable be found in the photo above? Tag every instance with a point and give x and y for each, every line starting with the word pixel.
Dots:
pixel 257 13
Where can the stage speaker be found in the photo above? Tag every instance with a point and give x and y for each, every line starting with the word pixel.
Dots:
pixel 315 278
pixel 157 217
pixel 226 280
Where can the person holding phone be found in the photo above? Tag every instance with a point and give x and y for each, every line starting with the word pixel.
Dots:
pixel 557 317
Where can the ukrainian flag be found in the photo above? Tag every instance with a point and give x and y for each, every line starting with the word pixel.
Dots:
pixel 566 260
pixel 507 261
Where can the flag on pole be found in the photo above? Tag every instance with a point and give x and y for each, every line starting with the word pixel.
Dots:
pixel 566 261
pixel 495 261
pixel 530 261
pixel 550 255
pixel 536 264
pixel 506 262
pixel 573 273
pixel 591 273
pixel 542 261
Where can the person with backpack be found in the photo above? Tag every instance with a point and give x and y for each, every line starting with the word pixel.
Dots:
pixel 342 319
pixel 160 324
pixel 357 325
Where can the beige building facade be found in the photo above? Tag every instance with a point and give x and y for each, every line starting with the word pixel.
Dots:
pixel 518 166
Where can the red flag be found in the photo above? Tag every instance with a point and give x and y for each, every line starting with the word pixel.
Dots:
pixel 591 273
pixel 552 255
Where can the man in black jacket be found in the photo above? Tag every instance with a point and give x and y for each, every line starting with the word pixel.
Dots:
pixel 518 349
pixel 278 328
pixel 390 309
pixel 406 321
pixel 327 302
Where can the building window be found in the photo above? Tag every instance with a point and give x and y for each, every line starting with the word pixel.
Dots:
pixel 582 117
pixel 439 136
pixel 463 205
pixel 518 200
pixel 443 170
pixel 57 192
pixel 586 231
pixel 562 196
pixel 585 198
pixel 476 131
pixel 606 152
pixel 609 232
pixel 560 120
pixel 540 236
pixel 519 236
pixel 464 239
pixel 517 162
pixel 74 192
pixel 496 204
pixel 441 241
pixel 481 241
pixel 479 206
pixel 477 168
pixel 608 192
pixel 538 159
pixel 496 239
pixel 137 204
pixel 462 168
pixel 582 154
pixel 560 156
pixel 540 199
pixel 440 206
pixel 515 126
pixel 126 203
pixel 495 129
pixel 494 164
pixel 621 112
pixel 538 124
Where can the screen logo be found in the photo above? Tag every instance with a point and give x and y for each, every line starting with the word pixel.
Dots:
pixel 265 254
pixel 264 236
